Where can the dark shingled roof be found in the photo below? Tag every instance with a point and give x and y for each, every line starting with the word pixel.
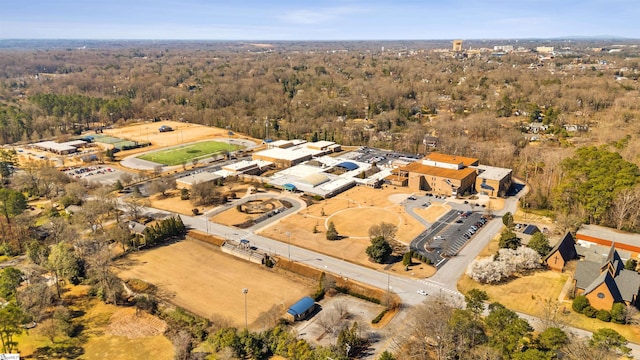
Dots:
pixel 565 247
pixel 606 278
pixel 586 271
pixel 301 306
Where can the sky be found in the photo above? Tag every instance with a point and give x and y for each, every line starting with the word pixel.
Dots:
pixel 317 20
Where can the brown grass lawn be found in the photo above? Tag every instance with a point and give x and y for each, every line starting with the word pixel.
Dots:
pixel 209 283
pixel 102 342
pixel 523 294
pixel 172 201
pixel 352 212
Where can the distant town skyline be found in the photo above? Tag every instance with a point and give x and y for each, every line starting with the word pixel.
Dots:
pixel 319 20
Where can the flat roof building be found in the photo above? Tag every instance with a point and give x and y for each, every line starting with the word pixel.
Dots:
pixel 493 181
pixel 607 236
pixel 197 178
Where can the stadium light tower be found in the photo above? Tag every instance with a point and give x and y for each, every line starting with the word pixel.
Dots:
pixel 246 323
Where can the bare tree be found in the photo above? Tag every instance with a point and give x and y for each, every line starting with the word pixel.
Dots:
pixel 162 185
pixel 134 206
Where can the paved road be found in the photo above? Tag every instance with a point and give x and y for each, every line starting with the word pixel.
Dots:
pixel 443 282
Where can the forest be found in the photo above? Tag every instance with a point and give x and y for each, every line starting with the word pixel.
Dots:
pixel 381 94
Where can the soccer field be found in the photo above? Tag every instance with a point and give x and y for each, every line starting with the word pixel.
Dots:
pixel 186 153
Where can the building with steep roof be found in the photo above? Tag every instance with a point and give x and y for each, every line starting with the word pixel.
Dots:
pixel 607 282
pixel 561 253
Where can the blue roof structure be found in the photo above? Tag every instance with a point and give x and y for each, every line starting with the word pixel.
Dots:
pixel 301 306
pixel 289 187
pixel 348 165
pixel 486 186
pixel 530 230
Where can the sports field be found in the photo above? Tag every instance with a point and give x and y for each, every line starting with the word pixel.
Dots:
pixel 184 154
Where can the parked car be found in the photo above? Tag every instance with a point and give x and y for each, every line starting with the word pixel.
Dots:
pixel 422 292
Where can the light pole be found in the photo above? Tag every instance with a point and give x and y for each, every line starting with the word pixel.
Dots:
pixel 289 242
pixel 246 323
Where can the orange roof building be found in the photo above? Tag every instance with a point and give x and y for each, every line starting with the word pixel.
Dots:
pixel 442 174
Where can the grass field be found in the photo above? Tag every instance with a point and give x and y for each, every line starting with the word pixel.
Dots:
pixel 185 154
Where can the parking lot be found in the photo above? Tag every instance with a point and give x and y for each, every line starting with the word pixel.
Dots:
pixel 379 156
pixel 102 174
pixel 447 236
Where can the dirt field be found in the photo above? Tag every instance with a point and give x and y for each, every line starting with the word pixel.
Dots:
pixel 182 133
pixel 203 280
pixel 353 212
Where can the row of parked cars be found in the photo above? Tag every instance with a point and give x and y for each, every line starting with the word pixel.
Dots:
pixel 475 227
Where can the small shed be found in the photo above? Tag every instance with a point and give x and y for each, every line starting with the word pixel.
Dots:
pixel 302 309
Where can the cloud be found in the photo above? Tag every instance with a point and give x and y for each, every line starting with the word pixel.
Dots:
pixel 318 16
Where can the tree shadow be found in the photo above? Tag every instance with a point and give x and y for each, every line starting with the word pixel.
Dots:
pixel 58 351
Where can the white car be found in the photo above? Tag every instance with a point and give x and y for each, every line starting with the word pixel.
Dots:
pixel 422 292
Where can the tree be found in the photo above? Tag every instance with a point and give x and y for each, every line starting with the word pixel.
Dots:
pixel 508 240
pixel 552 338
pixel 579 303
pixel 610 340
pixel 12 203
pixel 386 355
pixel 475 300
pixel 63 264
pixel 162 185
pixel 350 341
pixel 619 313
pixel 205 194
pixel 11 319
pixel 507 220
pixel 379 249
pixel 134 206
pixel 540 243
pixel 508 331
pixel 533 354
pixel 591 180
pixel 332 233
pixel 10 279
pixel 384 230
pixel 631 264
pixel 8 162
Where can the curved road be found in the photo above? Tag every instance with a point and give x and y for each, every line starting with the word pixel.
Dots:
pixel 443 282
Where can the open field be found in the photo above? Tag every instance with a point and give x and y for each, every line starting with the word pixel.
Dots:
pixel 184 154
pixel 108 332
pixel 182 133
pixel 353 212
pixel 203 280
pixel 524 293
